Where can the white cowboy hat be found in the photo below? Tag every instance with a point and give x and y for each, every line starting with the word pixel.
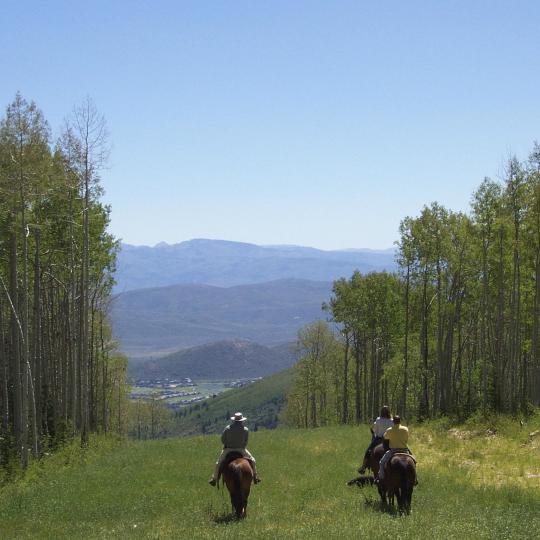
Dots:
pixel 238 417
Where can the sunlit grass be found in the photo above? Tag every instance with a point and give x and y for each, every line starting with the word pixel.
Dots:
pixel 472 485
pixel 496 453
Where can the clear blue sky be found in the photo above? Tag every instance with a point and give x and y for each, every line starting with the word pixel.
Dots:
pixel 314 123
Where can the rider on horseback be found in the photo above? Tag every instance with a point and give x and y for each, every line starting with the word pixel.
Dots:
pixel 395 441
pixel 381 424
pixel 234 439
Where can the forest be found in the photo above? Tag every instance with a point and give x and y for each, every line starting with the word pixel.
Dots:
pixel 60 375
pixel 455 331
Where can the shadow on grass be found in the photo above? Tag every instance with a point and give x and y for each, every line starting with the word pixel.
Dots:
pixel 225 518
pixel 222 517
pixel 377 506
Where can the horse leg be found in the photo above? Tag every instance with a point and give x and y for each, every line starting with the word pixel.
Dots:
pixel 237 504
pixel 382 494
pixel 400 499
pixel 408 499
pixel 245 495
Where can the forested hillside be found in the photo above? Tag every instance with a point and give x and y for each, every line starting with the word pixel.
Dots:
pixel 262 403
pixel 59 374
pixel 455 330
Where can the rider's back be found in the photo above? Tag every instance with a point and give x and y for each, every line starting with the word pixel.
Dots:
pixel 235 435
pixel 397 436
pixel 380 426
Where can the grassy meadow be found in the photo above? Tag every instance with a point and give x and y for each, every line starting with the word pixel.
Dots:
pixel 476 481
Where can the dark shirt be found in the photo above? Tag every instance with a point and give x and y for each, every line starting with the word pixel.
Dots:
pixel 235 435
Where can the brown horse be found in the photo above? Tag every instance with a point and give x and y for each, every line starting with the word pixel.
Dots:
pixel 399 479
pixel 238 475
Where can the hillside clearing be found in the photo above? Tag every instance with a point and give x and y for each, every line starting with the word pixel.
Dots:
pixel 157 489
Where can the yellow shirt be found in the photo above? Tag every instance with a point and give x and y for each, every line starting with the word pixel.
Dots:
pixel 398 436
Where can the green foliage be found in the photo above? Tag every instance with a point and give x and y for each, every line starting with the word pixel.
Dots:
pixel 312 400
pixel 149 419
pixel 60 375
pixel 458 328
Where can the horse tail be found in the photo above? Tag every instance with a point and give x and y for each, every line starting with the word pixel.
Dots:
pixel 407 479
pixel 236 496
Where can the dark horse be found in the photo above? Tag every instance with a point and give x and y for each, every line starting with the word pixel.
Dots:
pixel 399 478
pixel 237 475
pixel 399 481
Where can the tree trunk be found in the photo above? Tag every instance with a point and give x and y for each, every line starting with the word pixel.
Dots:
pixel 15 347
pixel 406 345
pixel 345 408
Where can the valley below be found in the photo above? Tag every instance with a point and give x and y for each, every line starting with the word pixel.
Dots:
pixel 204 317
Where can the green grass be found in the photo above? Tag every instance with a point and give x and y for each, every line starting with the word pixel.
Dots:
pixel 158 490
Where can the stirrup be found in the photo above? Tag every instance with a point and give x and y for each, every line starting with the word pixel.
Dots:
pixel 212 481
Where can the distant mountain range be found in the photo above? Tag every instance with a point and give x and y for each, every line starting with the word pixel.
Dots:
pixel 165 319
pixel 220 308
pixel 229 359
pixel 225 264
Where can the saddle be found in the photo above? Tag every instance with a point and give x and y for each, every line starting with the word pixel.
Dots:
pixel 387 466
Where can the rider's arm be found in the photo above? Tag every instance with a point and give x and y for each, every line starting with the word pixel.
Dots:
pixel 224 437
pixel 386 444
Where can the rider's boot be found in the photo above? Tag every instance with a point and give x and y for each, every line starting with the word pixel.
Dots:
pixel 256 477
pixel 215 474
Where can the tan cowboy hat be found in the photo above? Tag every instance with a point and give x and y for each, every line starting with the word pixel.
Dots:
pixel 238 417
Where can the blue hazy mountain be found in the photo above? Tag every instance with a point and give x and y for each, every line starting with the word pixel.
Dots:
pixel 158 320
pixel 225 264
pixel 227 359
